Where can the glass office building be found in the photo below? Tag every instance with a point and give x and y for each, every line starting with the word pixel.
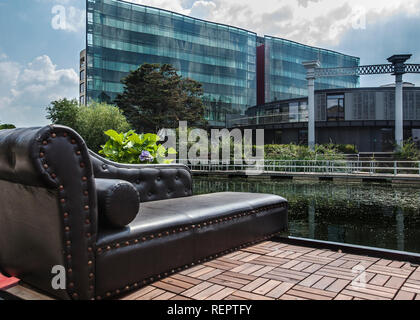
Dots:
pixel 285 76
pixel 233 65
pixel 121 36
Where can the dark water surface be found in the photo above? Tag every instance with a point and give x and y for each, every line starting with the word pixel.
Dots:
pixel 369 214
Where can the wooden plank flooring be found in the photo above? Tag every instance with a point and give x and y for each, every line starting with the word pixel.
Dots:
pixel 277 271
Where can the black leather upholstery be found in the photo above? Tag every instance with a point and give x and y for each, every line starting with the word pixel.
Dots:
pixel 54 159
pixel 118 202
pixel 172 234
pixel 49 217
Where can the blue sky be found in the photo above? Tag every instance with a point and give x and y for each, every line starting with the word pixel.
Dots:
pixel 39 63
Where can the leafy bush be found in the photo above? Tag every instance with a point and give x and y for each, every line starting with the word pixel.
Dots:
pixel 89 121
pixel 347 148
pixel 133 148
pixel 408 152
pixel 295 152
pixel 6 126
pixel 93 120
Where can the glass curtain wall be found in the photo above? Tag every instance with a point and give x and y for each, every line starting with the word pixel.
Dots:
pixel 285 76
pixel 121 36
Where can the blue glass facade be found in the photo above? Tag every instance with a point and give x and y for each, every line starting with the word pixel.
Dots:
pixel 121 36
pixel 285 76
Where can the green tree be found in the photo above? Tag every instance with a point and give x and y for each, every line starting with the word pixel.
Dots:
pixel 96 118
pixel 156 96
pixel 64 112
pixel 7 126
pixel 89 121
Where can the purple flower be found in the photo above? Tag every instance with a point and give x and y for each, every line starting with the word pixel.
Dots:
pixel 145 156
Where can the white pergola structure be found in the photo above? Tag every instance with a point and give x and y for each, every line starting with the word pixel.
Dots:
pixel 397 67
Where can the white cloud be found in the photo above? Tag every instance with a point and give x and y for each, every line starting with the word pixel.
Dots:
pixel 202 8
pixel 25 90
pixel 314 22
pixel 305 3
pixel 172 5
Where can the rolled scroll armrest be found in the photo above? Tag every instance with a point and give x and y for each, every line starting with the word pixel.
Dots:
pixel 49 209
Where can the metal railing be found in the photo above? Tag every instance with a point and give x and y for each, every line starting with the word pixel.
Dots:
pixel 312 166
pixel 284 117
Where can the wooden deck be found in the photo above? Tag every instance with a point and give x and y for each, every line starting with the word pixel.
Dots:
pixel 274 270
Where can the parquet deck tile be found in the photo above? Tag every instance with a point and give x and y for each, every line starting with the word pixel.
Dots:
pixel 275 270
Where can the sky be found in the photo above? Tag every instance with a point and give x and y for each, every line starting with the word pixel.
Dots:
pixel 40 40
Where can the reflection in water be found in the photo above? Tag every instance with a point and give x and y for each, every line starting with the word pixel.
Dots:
pixel 367 214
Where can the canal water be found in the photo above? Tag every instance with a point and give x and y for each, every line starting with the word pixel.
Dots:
pixel 369 214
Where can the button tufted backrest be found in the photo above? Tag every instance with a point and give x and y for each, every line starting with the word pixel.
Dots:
pixel 153 182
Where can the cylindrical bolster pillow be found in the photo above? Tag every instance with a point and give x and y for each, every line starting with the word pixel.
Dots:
pixel 118 202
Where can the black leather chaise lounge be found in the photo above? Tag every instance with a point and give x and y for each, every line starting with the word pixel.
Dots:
pixel 113 227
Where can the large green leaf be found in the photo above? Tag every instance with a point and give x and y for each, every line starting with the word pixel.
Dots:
pixel 126 147
pixel 115 136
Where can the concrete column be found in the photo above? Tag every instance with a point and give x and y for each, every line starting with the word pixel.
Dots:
pixel 310 69
pixel 399 121
pixel 311 113
pixel 398 61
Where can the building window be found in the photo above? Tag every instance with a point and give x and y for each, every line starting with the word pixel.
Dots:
pixel 82 100
pixel 303 111
pixel 294 112
pixel 82 75
pixel 335 108
pixel 82 88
